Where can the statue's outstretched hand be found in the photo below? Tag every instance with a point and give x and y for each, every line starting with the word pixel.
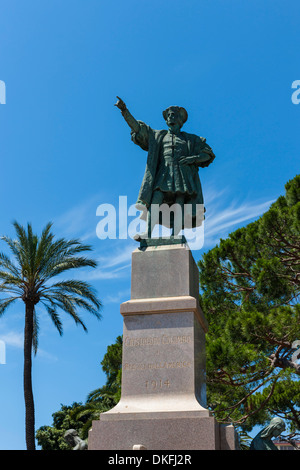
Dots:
pixel 131 121
pixel 120 104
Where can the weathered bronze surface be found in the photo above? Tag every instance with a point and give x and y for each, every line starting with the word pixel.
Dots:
pixel 171 174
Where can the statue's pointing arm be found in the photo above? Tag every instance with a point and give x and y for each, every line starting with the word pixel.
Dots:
pixel 139 130
pixel 131 121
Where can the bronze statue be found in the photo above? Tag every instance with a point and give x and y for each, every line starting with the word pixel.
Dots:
pixel 263 439
pixel 72 438
pixel 171 174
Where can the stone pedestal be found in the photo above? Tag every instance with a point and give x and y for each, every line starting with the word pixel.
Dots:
pixel 163 402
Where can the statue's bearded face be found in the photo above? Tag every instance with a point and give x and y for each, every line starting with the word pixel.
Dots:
pixel 173 118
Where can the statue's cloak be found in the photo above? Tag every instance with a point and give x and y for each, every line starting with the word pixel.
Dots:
pixel 150 140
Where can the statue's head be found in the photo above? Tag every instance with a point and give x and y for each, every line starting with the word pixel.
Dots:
pixel 274 428
pixel 70 436
pixel 175 116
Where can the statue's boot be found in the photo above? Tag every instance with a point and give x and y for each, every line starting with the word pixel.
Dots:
pixel 147 234
pixel 140 236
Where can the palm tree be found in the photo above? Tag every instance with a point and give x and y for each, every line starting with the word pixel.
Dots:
pixel 29 277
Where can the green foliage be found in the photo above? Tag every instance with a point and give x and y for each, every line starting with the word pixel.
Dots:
pixel 52 437
pixel 284 402
pixel 249 293
pixel 112 362
pixel 244 440
pixel 80 416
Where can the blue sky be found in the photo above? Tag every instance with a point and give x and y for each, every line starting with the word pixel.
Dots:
pixel 65 148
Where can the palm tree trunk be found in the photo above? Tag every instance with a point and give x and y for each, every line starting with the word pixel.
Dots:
pixel 28 395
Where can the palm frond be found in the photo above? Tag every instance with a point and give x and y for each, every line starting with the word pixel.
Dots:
pixel 10 279
pixel 44 244
pixel 62 264
pixel 32 248
pixel 79 288
pixel 21 233
pixel 66 303
pixel 51 308
pixel 16 248
pixel 7 264
pixel 5 303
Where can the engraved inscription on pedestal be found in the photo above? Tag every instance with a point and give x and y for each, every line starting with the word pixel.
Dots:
pixel 160 367
pixel 161 356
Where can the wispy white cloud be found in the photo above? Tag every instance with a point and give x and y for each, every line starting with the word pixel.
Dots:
pixel 117 258
pixel 98 273
pixel 46 356
pixel 80 220
pixel 220 221
pixel 221 218
pixel 13 338
pixel 117 298
pixel 112 264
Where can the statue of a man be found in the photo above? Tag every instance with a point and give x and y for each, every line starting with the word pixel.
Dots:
pixel 171 175
pixel 72 438
pixel 263 439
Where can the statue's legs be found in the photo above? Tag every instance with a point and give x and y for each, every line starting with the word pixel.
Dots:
pixel 159 198
pixel 177 227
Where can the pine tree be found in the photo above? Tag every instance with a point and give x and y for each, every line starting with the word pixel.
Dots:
pixel 249 293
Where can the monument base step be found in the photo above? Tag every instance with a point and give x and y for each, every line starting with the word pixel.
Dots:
pixel 161 431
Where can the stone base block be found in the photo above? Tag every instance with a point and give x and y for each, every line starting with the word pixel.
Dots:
pixel 177 432
pixel 163 402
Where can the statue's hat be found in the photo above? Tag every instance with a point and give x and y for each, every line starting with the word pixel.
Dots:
pixel 183 113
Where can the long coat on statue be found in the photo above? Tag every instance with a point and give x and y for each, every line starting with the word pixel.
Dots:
pixel 168 175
